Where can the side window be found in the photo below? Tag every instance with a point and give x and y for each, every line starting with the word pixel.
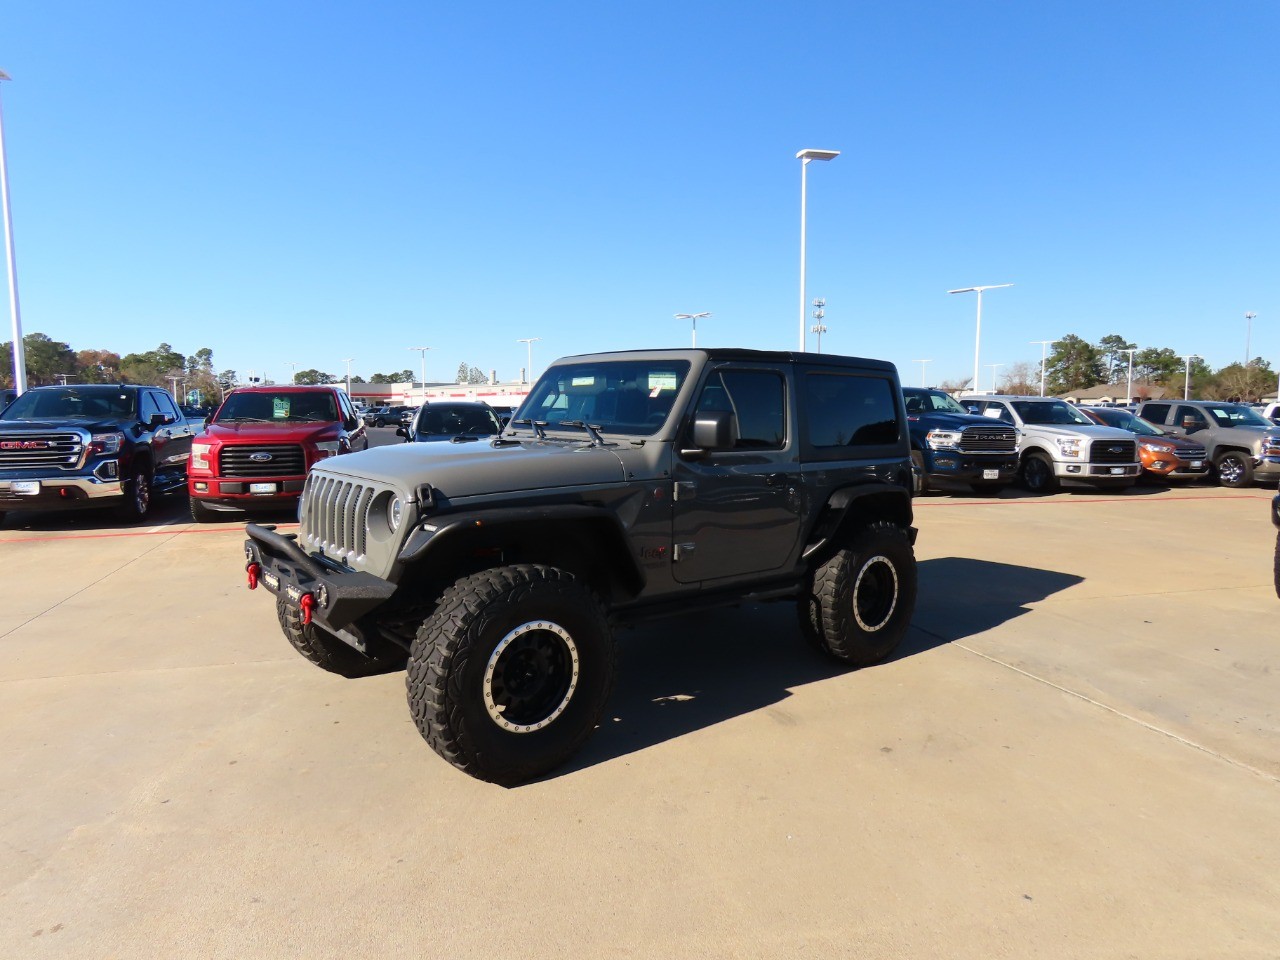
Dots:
pixel 1155 412
pixel 1193 413
pixel 166 407
pixel 345 411
pixel 757 397
pixel 149 407
pixel 846 410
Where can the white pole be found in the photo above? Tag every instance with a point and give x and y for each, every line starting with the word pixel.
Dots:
pixel 994 367
pixel 804 163
pixel 348 363
pixel 19 349
pixel 1044 349
pixel 924 372
pixel 977 341
pixel 1248 337
pixel 423 351
pixel 528 342
pixel 1128 392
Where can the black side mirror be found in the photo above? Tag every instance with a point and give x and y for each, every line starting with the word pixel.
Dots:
pixel 157 420
pixel 1190 424
pixel 402 432
pixel 715 430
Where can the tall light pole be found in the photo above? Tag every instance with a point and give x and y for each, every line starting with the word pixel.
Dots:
pixel 423 351
pixel 19 350
pixel 1128 392
pixel 924 376
pixel 1186 385
pixel 695 317
pixel 804 156
pixel 1044 351
pixel 1248 337
pixel 819 311
pixel 293 376
pixel 977 338
pixel 348 363
pixel 529 342
pixel 994 367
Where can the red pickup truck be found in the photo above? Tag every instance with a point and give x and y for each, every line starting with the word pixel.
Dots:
pixel 256 449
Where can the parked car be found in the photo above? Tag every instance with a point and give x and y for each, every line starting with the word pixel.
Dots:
pixel 407 415
pixel 92 445
pixel 1272 412
pixel 384 416
pixel 949 443
pixel 256 449
pixel 1243 445
pixel 452 420
pixel 1162 454
pixel 1057 442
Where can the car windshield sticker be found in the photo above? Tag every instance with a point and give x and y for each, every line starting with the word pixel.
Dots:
pixel 280 408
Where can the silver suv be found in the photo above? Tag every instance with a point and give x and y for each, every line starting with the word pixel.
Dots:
pixel 1057 442
pixel 1243 445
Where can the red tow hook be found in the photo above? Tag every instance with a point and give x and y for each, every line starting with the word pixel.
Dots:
pixel 253 569
pixel 307 603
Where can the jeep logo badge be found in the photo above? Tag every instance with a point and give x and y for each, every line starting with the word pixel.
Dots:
pixel 259 457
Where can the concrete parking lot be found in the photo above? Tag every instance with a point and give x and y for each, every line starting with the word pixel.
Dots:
pixel 1075 754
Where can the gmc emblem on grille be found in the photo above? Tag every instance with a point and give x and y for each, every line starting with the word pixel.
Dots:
pixel 259 457
pixel 25 444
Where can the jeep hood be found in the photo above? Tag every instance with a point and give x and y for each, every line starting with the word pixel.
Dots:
pixel 479 467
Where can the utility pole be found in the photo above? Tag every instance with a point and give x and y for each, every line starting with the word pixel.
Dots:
pixel 818 313
pixel 1044 350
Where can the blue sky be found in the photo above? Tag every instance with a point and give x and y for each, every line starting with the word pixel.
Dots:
pixel 290 182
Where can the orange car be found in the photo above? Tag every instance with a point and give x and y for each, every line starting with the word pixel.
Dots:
pixel 1162 454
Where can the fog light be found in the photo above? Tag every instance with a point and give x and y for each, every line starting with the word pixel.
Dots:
pixel 202 487
pixel 1073 468
pixel 1159 464
pixel 25 488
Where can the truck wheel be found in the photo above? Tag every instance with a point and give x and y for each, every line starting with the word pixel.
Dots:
pixel 1234 469
pixel 202 514
pixel 861 600
pixel 137 496
pixel 328 652
pixel 920 479
pixel 1037 474
pixel 511 672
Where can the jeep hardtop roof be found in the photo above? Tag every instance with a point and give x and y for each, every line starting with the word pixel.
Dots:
pixel 734 353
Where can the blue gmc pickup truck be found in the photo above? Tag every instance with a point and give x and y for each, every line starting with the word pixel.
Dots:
pixel 949 443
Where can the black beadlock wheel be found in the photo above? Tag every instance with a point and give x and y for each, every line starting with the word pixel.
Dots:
pixel 861 600
pixel 327 652
pixel 1037 474
pixel 511 672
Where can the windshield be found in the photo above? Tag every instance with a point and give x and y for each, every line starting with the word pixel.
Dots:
pixel 631 397
pixel 1050 412
pixel 930 401
pixel 455 419
pixel 279 407
pixel 1237 415
pixel 61 403
pixel 1128 421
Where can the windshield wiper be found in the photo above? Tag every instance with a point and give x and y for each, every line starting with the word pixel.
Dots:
pixel 537 426
pixel 593 429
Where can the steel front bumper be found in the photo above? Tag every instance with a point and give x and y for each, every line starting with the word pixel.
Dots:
pixel 339 597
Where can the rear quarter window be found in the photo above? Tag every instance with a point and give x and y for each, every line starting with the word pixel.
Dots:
pixel 849 415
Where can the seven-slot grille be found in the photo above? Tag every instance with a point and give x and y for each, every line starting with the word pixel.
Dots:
pixel 263 460
pixel 20 451
pixel 1113 451
pixel 989 439
pixel 335 516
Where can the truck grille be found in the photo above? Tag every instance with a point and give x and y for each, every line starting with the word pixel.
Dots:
pixel 21 451
pixel 1113 451
pixel 263 460
pixel 1191 453
pixel 984 439
pixel 335 515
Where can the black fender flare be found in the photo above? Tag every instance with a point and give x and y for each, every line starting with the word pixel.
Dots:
pixel 852 505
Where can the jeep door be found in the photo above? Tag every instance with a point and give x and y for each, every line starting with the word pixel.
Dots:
pixel 737 511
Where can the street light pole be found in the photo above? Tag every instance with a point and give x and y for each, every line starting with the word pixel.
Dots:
pixel 528 370
pixel 1248 337
pixel 819 311
pixel 924 376
pixel 1044 349
pixel 348 363
pixel 19 349
pixel 804 156
pixel 994 367
pixel 977 338
pixel 1186 385
pixel 1128 393
pixel 423 351
pixel 694 317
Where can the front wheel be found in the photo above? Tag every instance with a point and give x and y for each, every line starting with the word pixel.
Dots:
pixel 1235 469
pixel 137 496
pixel 200 513
pixel 1037 474
pixel 919 478
pixel 861 600
pixel 511 672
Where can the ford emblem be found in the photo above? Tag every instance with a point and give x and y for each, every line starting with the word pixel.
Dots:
pixel 1116 449
pixel 259 457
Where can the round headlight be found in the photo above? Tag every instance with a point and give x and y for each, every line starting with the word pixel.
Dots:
pixel 394 509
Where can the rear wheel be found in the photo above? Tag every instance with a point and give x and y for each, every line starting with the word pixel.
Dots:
pixel 511 672
pixel 1235 469
pixel 1037 474
pixel 861 600
pixel 329 653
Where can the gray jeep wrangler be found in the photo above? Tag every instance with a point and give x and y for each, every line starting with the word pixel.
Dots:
pixel 627 486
